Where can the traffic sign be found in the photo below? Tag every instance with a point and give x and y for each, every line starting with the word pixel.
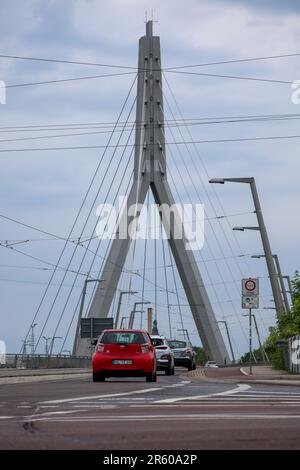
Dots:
pixel 250 286
pixel 250 290
pixel 93 327
pixel 250 301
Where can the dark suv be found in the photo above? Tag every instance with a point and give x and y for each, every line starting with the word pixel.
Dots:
pixel 184 354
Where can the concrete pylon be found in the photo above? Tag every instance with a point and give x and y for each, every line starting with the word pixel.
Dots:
pixel 150 172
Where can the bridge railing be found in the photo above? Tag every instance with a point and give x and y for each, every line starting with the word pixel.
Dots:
pixel 41 361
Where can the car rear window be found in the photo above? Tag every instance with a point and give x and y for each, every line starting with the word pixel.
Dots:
pixel 157 341
pixel 177 344
pixel 115 337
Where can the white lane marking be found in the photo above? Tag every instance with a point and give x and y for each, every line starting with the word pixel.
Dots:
pixel 240 388
pixel 104 407
pixel 185 417
pixel 51 413
pixel 274 393
pixel 205 404
pixel 242 370
pixel 269 397
pixel 95 397
pixel 49 406
pixel 7 417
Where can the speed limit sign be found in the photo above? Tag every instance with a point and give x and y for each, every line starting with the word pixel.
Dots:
pixel 250 286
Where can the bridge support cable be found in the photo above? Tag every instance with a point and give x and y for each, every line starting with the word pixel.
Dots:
pixel 197 172
pixel 76 309
pixel 166 281
pixel 76 218
pixel 176 291
pixel 212 284
pixel 183 182
pixel 88 217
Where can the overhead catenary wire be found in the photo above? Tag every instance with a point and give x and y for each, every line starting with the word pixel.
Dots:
pixel 174 124
pixel 208 141
pixel 167 122
pixel 122 66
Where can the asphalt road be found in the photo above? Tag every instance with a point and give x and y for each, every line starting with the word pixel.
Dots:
pixel 175 413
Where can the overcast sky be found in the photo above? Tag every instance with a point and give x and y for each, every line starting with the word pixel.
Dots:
pixel 44 188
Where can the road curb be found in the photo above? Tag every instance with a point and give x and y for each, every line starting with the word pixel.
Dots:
pixel 243 379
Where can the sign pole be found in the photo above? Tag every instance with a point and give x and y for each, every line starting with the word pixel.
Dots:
pixel 250 340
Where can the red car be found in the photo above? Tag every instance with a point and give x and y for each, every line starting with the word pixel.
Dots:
pixel 124 353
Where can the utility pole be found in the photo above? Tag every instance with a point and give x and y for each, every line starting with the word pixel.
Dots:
pixel 250 341
pixel 32 343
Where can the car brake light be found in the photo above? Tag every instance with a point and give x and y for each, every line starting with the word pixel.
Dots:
pixel 188 351
pixel 144 348
pixel 161 347
pixel 100 347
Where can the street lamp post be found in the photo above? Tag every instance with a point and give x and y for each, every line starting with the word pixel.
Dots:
pixel 229 339
pixel 122 320
pixel 185 332
pixel 81 310
pixel 129 292
pixel 280 278
pixel 132 317
pixel 52 343
pixel 46 345
pixel 290 291
pixel 264 237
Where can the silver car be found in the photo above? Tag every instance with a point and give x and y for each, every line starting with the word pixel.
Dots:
pixel 184 354
pixel 164 354
pixel 211 364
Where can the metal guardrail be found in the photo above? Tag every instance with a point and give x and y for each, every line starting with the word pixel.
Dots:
pixel 41 361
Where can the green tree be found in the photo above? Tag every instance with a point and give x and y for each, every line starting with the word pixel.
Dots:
pixel 287 325
pixel 201 357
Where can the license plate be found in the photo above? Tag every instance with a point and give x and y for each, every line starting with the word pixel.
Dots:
pixel 122 362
